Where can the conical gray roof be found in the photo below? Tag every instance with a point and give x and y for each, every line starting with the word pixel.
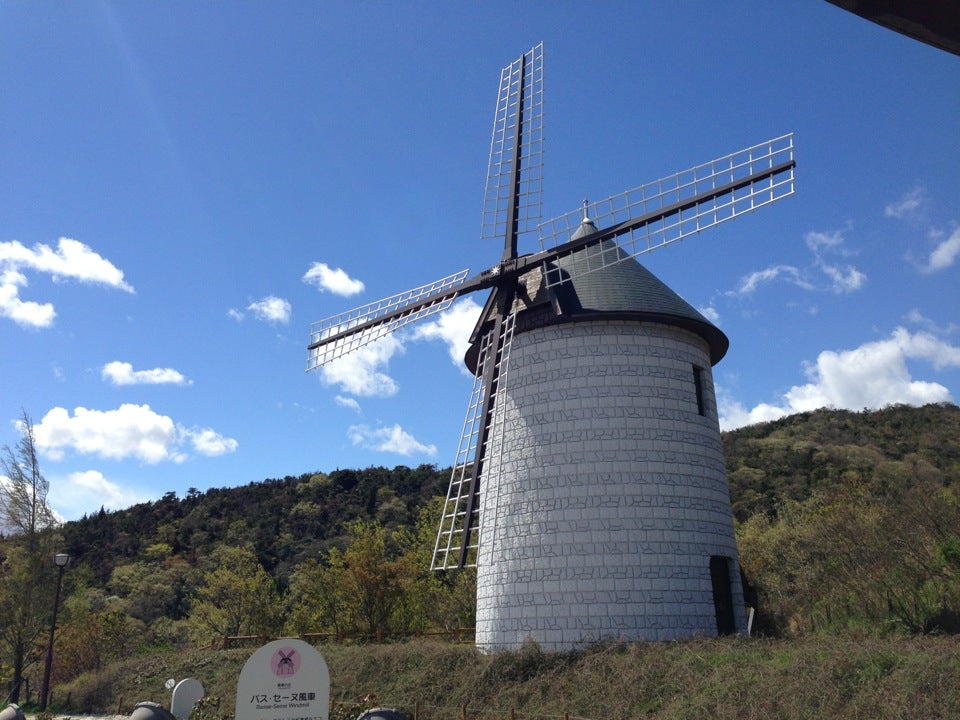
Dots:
pixel 624 290
pixel 627 287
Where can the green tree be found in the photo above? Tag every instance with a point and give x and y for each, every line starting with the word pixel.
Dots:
pixel 852 557
pixel 236 596
pixel 362 589
pixel 26 571
pixel 316 599
pixel 93 638
pixel 441 600
pixel 151 590
pixel 23 496
pixel 374 582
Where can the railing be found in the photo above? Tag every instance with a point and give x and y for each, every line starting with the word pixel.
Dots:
pixel 457 635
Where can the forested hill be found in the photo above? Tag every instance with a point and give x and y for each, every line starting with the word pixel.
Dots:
pixel 285 520
pixel 290 519
pixel 885 452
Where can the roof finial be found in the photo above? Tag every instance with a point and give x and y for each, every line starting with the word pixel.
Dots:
pixel 586 226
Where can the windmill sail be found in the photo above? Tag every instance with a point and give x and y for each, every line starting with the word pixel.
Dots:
pixel 513 196
pixel 671 208
pixel 340 334
pixel 511 205
pixel 458 538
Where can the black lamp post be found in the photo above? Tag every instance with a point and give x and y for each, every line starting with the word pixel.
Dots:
pixel 60 560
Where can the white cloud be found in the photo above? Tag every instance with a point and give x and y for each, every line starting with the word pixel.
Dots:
pixel 71 260
pixel 22 312
pixel 347 402
pixel 388 439
pixel 710 313
pixel 235 314
pixel 751 282
pixel 361 372
pixel 818 241
pixel 945 254
pixel 335 280
pixel 734 415
pixel 918 318
pixel 130 431
pixel 909 205
pixel 271 309
pixel 453 326
pixel 873 375
pixel 72 495
pixel 842 280
pixel 211 443
pixel 121 373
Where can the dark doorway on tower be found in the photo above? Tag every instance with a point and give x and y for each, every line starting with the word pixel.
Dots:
pixel 722 595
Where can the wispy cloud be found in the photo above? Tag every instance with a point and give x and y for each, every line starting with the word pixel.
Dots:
pixel 392 439
pixel 840 279
pixel 130 431
pixel 122 373
pixel 945 254
pixel 917 318
pixel 910 205
pixel 72 260
pixel 749 283
pixel 347 402
pixel 334 280
pixel 844 280
pixel 872 375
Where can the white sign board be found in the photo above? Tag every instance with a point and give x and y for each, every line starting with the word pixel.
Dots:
pixel 284 680
pixel 186 694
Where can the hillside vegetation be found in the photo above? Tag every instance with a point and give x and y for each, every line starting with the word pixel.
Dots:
pixel 851 519
pixel 848 527
pixel 727 679
pixel 884 452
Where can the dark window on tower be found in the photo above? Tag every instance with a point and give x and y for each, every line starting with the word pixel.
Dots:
pixel 698 386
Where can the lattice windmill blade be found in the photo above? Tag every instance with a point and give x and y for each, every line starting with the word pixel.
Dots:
pixel 453 519
pixel 512 199
pixel 458 538
pixel 669 209
pixel 512 202
pixel 348 331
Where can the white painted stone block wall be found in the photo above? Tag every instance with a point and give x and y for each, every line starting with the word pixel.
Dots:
pixel 600 517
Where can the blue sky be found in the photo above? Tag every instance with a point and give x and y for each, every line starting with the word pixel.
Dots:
pixel 186 186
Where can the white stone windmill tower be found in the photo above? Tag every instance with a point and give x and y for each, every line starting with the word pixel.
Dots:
pixel 589 489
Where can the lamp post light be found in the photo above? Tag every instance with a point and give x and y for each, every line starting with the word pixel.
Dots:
pixel 60 560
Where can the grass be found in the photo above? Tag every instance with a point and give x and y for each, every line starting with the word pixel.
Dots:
pixel 821 677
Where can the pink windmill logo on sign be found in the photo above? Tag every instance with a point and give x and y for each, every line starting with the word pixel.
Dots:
pixel 285 662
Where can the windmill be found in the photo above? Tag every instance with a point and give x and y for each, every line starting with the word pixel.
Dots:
pixel 589 488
